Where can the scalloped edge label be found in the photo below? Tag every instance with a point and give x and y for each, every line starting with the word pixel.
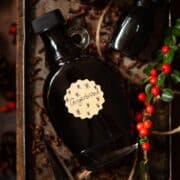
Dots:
pixel 84 99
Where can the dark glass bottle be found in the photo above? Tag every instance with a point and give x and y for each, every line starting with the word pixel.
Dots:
pixel 83 98
pixel 133 31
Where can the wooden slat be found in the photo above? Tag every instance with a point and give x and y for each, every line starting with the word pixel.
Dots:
pixel 20 116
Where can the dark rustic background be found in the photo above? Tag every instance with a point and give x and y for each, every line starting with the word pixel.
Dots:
pixel 8 51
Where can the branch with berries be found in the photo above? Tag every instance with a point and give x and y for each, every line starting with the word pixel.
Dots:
pixel 158 86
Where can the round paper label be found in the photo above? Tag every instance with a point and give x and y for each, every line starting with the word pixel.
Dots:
pixel 84 99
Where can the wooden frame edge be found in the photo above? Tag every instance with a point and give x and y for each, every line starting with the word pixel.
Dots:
pixel 20 92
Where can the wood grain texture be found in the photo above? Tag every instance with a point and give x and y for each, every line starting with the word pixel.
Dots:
pixel 20 116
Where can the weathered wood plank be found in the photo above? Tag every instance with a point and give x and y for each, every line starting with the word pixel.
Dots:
pixel 20 116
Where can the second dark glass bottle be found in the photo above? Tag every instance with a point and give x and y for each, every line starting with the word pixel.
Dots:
pixel 83 98
pixel 133 31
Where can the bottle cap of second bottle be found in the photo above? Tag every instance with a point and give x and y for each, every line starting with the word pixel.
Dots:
pixel 48 21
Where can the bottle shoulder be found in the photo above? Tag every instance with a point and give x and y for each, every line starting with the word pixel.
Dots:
pixel 141 12
pixel 83 67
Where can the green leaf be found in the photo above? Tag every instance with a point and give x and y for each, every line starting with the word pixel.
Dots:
pixel 170 40
pixel 148 92
pixel 161 79
pixel 148 88
pixel 145 80
pixel 177 25
pixel 167 95
pixel 149 97
pixel 168 58
pixel 175 76
pixel 159 66
pixel 176 32
pixel 176 28
pixel 142 140
pixel 178 22
pixel 147 69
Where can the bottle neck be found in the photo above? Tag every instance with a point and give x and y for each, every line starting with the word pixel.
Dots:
pixel 144 3
pixel 161 2
pixel 58 46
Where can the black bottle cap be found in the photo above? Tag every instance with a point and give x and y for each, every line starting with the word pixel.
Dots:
pixel 48 21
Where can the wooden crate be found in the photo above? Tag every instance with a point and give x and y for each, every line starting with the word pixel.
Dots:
pixel 33 161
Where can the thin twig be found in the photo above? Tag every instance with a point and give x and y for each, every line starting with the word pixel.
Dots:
pixel 84 175
pixel 131 175
pixel 99 28
pixel 146 174
pixel 70 176
pixel 174 131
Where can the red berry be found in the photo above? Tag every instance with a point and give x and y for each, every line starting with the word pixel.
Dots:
pixel 147 124
pixel 142 97
pixel 146 146
pixel 4 108
pixel 153 80
pixel 140 126
pixel 69 18
pixel 155 90
pixel 12 105
pixel 143 132
pixel 166 68
pixel 153 72
pixel 138 116
pixel 149 109
pixel 165 49
pixel 13 29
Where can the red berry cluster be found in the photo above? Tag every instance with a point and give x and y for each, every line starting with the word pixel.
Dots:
pixel 144 123
pixel 8 107
pixel 165 69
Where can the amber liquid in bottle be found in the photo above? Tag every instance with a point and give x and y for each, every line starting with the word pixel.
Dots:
pixel 84 100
